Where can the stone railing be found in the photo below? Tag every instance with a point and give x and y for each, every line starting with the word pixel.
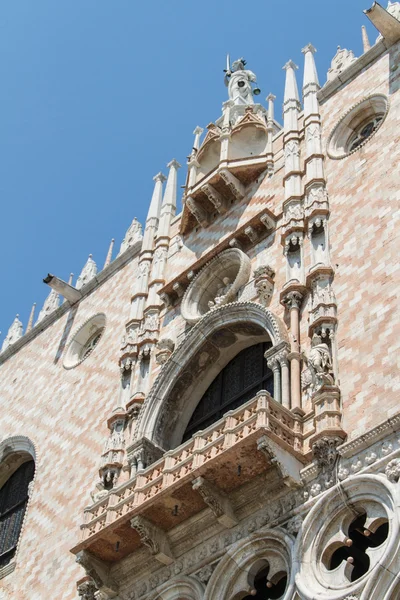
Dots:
pixel 260 414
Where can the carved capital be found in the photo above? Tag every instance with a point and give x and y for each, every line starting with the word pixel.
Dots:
pixel 325 452
pixel 154 538
pixel 293 300
pixel 87 590
pixel 217 500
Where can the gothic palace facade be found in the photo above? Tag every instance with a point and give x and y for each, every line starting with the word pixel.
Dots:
pixel 215 414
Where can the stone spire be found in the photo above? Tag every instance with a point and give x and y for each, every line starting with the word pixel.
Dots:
pixel 31 317
pixel 15 332
pixel 88 272
pixel 154 213
pixel 133 235
pixel 291 101
pixel 310 81
pixel 109 254
pixel 51 303
pixel 197 133
pixel 168 207
pixel 365 40
pixel 156 199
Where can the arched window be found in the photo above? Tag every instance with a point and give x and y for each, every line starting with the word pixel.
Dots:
pixel 239 381
pixel 13 501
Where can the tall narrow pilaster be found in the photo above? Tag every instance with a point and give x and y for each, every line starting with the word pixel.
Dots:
pixel 168 209
pixel 142 280
pixel 153 214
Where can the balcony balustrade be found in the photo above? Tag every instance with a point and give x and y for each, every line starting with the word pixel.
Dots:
pixel 225 455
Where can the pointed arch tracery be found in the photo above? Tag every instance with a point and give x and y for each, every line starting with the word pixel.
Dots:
pixel 219 336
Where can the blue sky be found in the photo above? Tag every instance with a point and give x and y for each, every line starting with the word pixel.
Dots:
pixel 98 95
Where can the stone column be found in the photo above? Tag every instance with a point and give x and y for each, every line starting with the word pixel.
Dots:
pixel 293 302
pixel 285 380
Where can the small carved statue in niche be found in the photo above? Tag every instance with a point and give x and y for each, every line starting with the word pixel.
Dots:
pixel 319 369
pixel 222 290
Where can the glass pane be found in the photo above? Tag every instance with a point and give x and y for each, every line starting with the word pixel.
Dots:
pixel 238 382
pixel 233 380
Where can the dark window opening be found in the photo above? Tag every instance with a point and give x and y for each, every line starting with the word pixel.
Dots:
pixel 355 552
pixel 13 501
pixel 238 382
pixel 267 589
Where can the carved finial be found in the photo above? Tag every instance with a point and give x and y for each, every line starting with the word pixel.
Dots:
pixel 291 91
pixel 155 204
pixel 310 70
pixel 365 40
pixel 270 99
pixel 15 332
pixel 31 317
pixel 88 272
pixel 109 254
pixel 51 303
pixel 133 235
pixel 71 277
pixel 159 177
pixel 170 193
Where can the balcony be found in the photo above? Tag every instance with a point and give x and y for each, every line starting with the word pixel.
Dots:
pixel 245 443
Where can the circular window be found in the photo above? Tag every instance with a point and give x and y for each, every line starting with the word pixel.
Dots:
pixel 357 126
pixel 347 535
pixel 84 341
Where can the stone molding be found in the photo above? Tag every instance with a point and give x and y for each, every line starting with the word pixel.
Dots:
pixel 119 263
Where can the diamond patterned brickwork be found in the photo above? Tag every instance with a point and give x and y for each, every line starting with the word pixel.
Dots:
pixel 64 413
pixel 364 234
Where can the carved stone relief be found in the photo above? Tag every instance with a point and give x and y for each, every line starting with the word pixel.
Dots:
pixel 217 283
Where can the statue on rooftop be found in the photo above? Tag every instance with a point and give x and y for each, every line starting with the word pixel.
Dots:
pixel 238 80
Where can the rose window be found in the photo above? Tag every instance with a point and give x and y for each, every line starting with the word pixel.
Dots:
pixel 84 341
pixel 357 126
pixel 346 536
pixel 352 557
pixel 364 132
pixel 91 343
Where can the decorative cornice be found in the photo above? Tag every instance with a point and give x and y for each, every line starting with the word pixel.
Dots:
pixel 119 263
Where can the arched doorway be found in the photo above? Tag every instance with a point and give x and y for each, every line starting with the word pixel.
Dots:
pixel 240 380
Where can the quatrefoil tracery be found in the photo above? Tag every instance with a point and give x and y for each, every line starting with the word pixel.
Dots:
pixel 351 552
pixel 269 584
